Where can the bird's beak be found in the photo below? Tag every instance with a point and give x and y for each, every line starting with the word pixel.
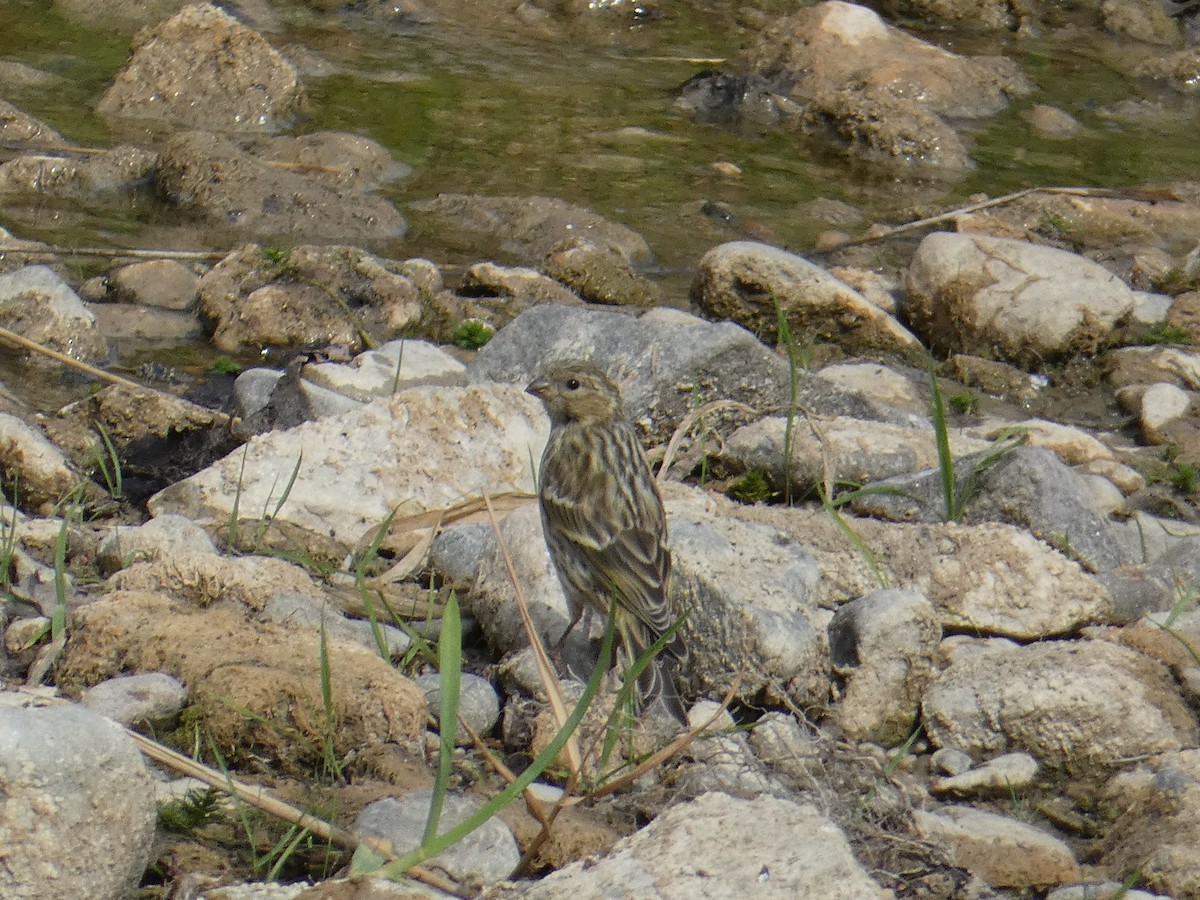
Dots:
pixel 538 387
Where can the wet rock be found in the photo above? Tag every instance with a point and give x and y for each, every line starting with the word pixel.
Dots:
pixel 1142 21
pixel 843 449
pixel 120 322
pixel 844 67
pixel 159 437
pixel 210 176
pixel 1018 301
pixel 600 275
pixel 157 539
pixel 996 378
pixel 1112 224
pixel 1078 705
pixel 719 844
pixel 1052 122
pixel 425 448
pixel 120 15
pixel 746 282
pixel 1161 404
pixel 40 306
pixel 487 855
pixel 1184 313
pixel 1147 365
pixel 695 362
pixel 230 665
pixel 163 283
pixel 79 805
pixel 23 130
pixel 38 469
pixel 1002 851
pixel 202 65
pixel 478 704
pixel 489 279
pixel 1000 775
pixel 527 228
pixel 884 644
pixel 120 168
pixel 1178 70
pixel 312 296
pixel 1158 830
pixel 152 698
pixel 17 254
pixel 345 162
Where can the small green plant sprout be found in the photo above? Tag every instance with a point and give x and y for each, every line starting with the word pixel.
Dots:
pixel 1167 333
pixel 753 487
pixel 108 462
pixel 1175 281
pixel 471 334
pixel 276 255
pixel 194 810
pixel 957 490
pixel 788 342
pixel 224 365
pixel 1184 477
pixel 1054 225
pixel 965 403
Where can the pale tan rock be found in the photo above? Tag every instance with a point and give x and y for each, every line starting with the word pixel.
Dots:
pixel 1000 850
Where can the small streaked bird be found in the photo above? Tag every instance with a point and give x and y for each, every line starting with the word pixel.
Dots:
pixel 603 519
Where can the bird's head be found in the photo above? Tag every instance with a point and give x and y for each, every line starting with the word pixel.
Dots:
pixel 577 392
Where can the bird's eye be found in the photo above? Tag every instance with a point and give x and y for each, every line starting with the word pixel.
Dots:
pixel 572 384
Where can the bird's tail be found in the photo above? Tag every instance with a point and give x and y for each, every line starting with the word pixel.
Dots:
pixel 656 686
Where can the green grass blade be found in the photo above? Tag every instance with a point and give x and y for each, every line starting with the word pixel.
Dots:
pixel 945 461
pixel 853 537
pixel 332 764
pixel 397 869
pixel 58 621
pixel 789 345
pixel 450 672
pixel 287 491
pixel 231 537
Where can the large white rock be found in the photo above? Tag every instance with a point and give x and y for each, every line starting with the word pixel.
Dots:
pixel 427 448
pixel 721 846
pixel 993 296
pixel 1075 705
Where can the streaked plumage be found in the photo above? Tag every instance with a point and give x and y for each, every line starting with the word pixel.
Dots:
pixel 603 519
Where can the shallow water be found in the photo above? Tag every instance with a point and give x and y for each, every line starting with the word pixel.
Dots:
pixel 492 112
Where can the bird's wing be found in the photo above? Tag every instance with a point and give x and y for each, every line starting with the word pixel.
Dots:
pixel 613 515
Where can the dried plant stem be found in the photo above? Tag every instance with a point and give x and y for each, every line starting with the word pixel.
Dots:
pixel 1000 201
pixel 545 669
pixel 33 346
pixel 56 250
pixel 260 799
pixel 691 419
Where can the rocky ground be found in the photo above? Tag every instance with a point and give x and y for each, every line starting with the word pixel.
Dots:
pixel 936 524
